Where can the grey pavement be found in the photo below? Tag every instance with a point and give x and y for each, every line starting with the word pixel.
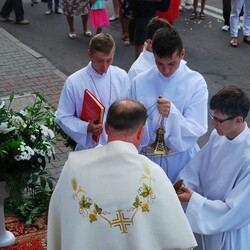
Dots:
pixel 25 71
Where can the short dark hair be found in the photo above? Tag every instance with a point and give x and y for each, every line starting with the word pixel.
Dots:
pixel 102 42
pixel 232 101
pixel 166 42
pixel 156 23
pixel 126 115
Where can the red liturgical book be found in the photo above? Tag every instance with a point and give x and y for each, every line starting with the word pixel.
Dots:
pixel 92 108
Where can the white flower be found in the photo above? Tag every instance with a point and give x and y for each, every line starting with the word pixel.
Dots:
pixel 17 121
pixel 49 153
pixel 2 104
pixel 40 152
pixel 47 132
pixel 24 112
pixel 29 150
pixel 17 158
pixel 4 128
pixel 50 150
pixel 26 153
pixel 32 138
pixel 25 156
pixel 39 160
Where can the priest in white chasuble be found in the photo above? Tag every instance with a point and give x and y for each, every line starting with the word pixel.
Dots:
pixel 110 197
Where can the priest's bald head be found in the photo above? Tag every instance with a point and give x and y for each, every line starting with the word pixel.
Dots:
pixel 125 121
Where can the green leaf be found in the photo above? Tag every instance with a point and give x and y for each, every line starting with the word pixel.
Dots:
pixel 43 182
pixel 137 202
pixel 11 98
pixel 147 190
pixel 40 96
pixel 50 183
pixel 97 209
pixel 84 203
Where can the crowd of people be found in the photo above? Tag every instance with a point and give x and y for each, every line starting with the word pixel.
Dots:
pixel 114 194
pixel 134 16
pixel 159 92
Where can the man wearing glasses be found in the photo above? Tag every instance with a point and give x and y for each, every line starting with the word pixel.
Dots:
pixel 217 179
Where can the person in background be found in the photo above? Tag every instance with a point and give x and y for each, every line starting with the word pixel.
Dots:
pixel 105 81
pixel 216 195
pixel 50 7
pixel 187 5
pixel 226 10
pixel 141 13
pixel 76 8
pixel 194 13
pixel 110 197
pixel 176 99
pixel 236 7
pixel 146 59
pixel 17 6
pixel 122 11
pixel 34 2
pixel 172 13
pixel 115 14
pixel 98 15
pixel 124 15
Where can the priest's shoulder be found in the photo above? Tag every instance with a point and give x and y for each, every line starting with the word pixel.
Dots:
pixel 152 165
pixel 83 152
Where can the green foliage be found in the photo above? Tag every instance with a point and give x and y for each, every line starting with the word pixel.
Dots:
pixel 30 207
pixel 27 140
pixel 146 191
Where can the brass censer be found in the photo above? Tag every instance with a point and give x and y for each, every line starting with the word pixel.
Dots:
pixel 158 147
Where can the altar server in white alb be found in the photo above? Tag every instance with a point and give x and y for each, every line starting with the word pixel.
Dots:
pixel 173 91
pixel 217 179
pixel 105 81
pixel 112 198
pixel 146 58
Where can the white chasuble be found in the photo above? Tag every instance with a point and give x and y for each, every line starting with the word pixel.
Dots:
pixel 110 197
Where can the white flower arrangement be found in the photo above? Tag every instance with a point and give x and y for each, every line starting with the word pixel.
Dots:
pixel 27 140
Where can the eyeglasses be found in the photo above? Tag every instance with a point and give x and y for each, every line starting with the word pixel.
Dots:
pixel 219 120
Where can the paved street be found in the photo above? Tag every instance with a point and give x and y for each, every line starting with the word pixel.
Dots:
pixel 25 71
pixel 39 56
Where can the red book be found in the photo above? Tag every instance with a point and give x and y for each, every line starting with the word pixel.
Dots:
pixel 92 108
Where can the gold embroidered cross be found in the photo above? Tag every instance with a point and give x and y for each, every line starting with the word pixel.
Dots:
pixel 121 222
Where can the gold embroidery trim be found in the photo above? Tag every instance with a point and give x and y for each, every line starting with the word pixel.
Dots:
pixel 143 200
